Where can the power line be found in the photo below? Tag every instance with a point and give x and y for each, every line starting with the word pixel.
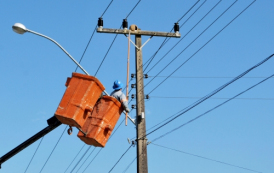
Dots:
pixel 75 157
pixel 53 149
pixel 187 12
pixel 102 148
pixel 120 158
pixel 34 154
pixel 190 45
pixel 210 98
pixel 133 8
pixel 80 159
pixel 92 160
pixel 213 93
pixel 164 42
pixel 206 77
pixel 86 47
pixel 114 41
pixel 189 32
pixel 198 49
pixel 86 159
pixel 202 157
pixel 167 39
pixel 190 121
pixel 107 8
pixel 106 53
pixel 129 165
pixel 92 36
pixel 204 44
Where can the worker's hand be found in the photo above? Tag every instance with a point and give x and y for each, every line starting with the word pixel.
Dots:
pixel 127 110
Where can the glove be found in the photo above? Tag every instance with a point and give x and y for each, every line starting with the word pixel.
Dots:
pixel 127 110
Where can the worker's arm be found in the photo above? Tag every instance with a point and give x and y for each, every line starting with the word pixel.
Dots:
pixel 124 102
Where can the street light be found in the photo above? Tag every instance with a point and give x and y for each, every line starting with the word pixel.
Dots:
pixel 21 29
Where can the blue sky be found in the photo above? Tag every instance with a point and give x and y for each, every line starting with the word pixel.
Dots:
pixel 34 72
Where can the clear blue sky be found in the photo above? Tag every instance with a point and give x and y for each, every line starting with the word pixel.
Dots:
pixel 34 72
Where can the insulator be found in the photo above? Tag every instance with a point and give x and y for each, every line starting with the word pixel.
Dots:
pixel 176 27
pixel 100 22
pixel 147 96
pixel 125 24
pixel 133 85
pixel 132 106
pixel 146 75
pixel 132 96
pixel 132 75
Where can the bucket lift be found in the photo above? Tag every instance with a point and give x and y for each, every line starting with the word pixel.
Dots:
pixel 83 107
pixel 77 108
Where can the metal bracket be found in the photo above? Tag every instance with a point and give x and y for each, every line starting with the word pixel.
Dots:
pixel 132 120
pixel 139 48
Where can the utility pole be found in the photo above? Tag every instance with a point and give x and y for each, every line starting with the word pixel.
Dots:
pixel 142 164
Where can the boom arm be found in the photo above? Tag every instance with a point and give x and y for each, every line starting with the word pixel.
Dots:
pixel 53 122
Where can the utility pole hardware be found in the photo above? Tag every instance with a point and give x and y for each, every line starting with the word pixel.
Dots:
pixel 142 164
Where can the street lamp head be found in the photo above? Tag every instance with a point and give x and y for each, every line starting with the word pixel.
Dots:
pixel 19 28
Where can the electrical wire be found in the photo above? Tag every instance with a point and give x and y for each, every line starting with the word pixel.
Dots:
pixel 92 160
pixel 197 50
pixel 187 12
pixel 190 31
pixel 212 93
pixel 86 159
pixel 107 8
pixel 75 157
pixel 34 154
pixel 206 77
pixel 129 165
pixel 114 40
pixel 189 46
pixel 202 46
pixel 106 54
pixel 190 121
pixel 210 98
pixel 202 157
pixel 133 9
pixel 86 47
pixel 167 39
pixel 102 148
pixel 120 158
pixel 92 36
pixel 53 149
pixel 80 159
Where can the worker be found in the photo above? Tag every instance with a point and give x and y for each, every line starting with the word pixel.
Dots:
pixel 119 95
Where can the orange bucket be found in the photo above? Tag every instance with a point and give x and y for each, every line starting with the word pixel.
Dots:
pixel 81 95
pixel 101 121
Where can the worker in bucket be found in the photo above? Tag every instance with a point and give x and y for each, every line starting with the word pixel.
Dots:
pixel 119 95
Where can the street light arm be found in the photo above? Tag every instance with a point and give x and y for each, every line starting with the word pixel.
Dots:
pixel 36 33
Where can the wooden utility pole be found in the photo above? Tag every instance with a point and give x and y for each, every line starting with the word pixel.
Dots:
pixel 142 164
pixel 140 110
